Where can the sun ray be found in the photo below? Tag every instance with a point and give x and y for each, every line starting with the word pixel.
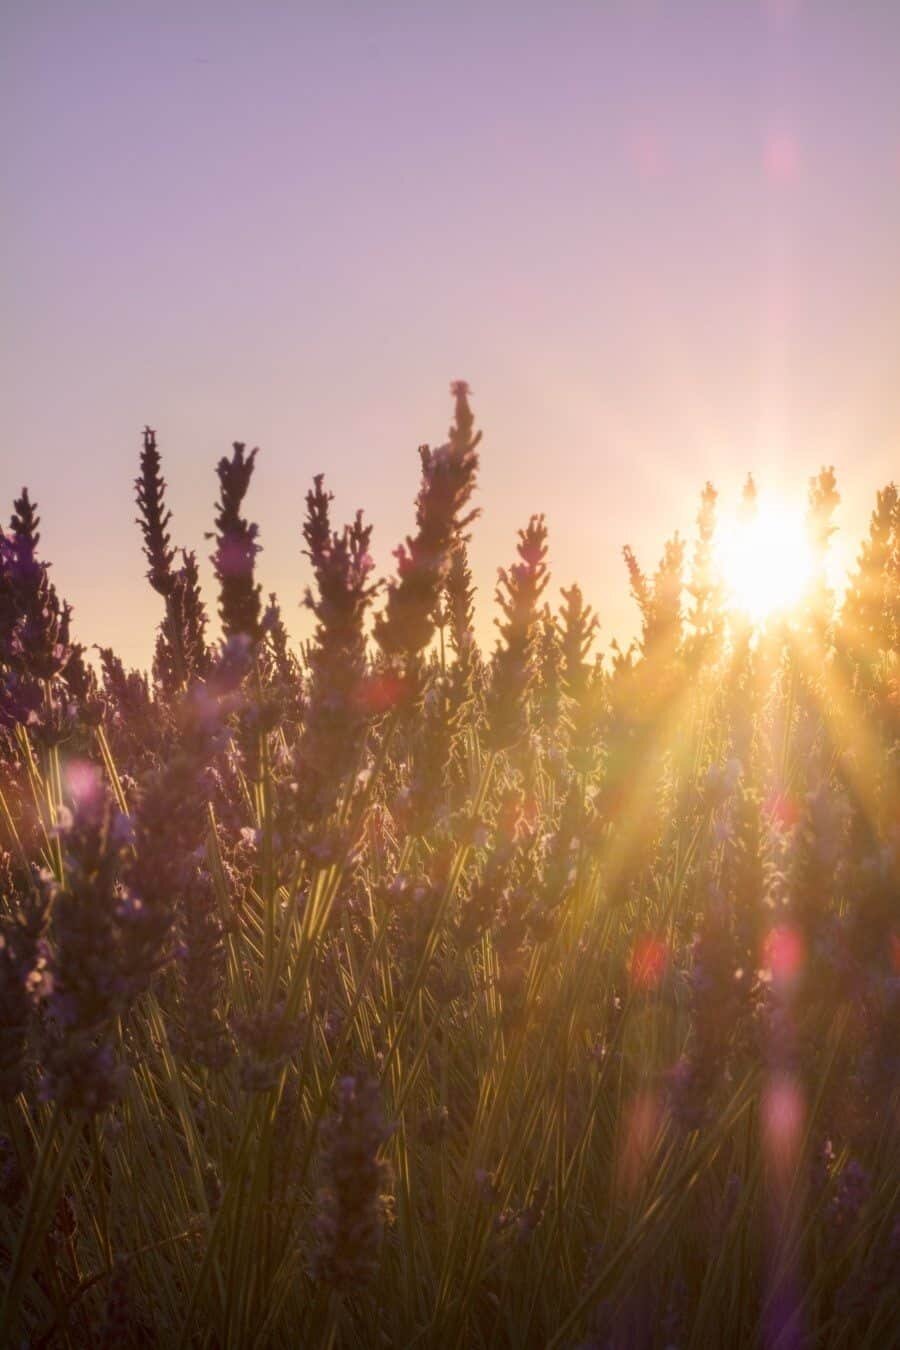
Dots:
pixel 766 561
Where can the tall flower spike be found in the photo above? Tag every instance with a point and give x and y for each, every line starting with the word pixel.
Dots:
pixel 459 594
pixel 406 626
pixel 170 824
pixel 127 692
pixel 518 593
pixel 336 713
pixel 425 801
pixel 34 636
pixel 866 617
pixel 640 586
pixel 661 604
pixel 24 538
pixel 282 662
pixel 548 665
pixel 154 519
pixel 236 548
pixel 181 654
pixel 463 684
pixel 705 617
pixel 584 691
pixel 193 616
pixel 578 629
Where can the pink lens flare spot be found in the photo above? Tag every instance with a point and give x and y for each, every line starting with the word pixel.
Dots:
pixel 782 810
pixel 640 1126
pixel 783 1114
pixel 649 959
pixel 83 781
pixel 378 693
pixel 781 158
pixel 784 953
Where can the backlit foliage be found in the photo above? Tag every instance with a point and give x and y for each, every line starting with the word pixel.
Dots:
pixel 402 993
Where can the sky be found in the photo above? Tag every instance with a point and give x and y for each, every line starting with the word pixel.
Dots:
pixel 661 241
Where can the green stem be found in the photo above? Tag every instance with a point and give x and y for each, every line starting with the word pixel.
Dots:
pixel 39 1210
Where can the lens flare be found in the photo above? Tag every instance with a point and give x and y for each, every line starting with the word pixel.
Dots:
pixel 766 563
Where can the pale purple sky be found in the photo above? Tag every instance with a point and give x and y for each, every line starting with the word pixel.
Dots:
pixel 660 240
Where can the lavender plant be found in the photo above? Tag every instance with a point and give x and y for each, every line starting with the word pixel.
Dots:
pixel 378 994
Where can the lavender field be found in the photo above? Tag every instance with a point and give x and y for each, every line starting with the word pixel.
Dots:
pixel 404 989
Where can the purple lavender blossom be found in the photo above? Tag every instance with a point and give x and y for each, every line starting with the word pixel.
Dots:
pixel 351 1205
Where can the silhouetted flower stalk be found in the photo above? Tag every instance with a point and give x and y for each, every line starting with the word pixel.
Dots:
pixel 518 594
pixel 459 595
pixel 583 690
pixel 169 827
pixel 406 625
pixel 548 698
pixel 282 675
pixel 465 681
pixel 81 688
pixel 664 634
pixel 154 519
pixel 181 655
pixel 34 626
pixel 339 692
pixel 659 602
pixel 647 689
pixel 236 548
pixel 424 805
pixel 869 617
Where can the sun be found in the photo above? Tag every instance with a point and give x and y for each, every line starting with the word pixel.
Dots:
pixel 765 561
